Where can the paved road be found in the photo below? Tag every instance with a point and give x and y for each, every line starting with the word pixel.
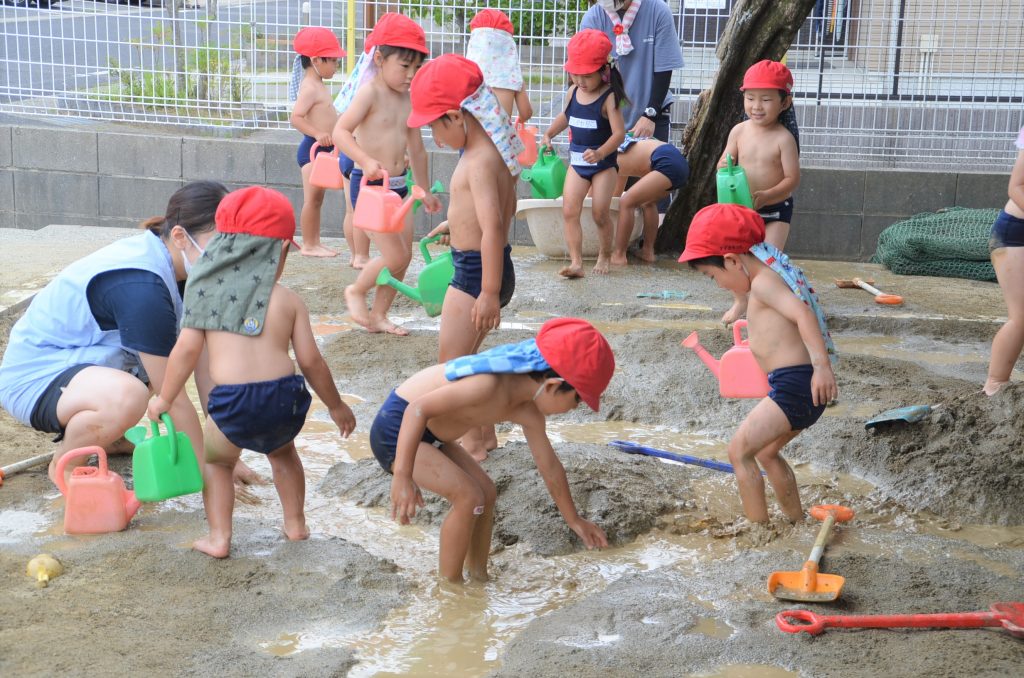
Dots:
pixel 46 52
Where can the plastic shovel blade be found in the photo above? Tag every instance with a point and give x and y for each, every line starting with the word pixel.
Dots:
pixel 910 414
pixel 813 587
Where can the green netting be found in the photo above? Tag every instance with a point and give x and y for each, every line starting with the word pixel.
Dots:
pixel 951 243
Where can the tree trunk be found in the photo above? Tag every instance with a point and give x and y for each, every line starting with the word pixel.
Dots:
pixel 756 30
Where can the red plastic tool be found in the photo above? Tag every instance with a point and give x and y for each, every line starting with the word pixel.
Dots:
pixel 1008 615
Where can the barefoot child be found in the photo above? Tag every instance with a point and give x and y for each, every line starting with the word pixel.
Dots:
pixel 449 94
pixel 788 337
pixel 234 306
pixel 1006 245
pixel 314 116
pixel 414 433
pixel 595 121
pixel 662 168
pixel 768 152
pixel 377 116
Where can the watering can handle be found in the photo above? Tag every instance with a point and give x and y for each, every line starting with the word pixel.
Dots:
pixel 427 241
pixel 737 336
pixel 385 183
pixel 80 452
pixel 728 162
pixel 171 433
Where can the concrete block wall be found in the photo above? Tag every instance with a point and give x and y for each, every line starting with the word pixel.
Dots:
pixel 100 178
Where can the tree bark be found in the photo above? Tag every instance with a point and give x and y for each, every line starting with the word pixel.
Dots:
pixel 756 30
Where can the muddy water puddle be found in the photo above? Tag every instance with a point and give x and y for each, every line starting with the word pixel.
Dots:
pixel 936 354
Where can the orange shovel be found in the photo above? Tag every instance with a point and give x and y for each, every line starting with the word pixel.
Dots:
pixel 808 585
pixel 880 296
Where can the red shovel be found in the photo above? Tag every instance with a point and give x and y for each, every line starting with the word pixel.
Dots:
pixel 1008 615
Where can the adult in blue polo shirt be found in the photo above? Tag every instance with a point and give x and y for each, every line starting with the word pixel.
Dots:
pixel 647 48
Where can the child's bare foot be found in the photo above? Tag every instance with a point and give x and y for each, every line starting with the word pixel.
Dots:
pixel 359 261
pixel 297 531
pixel 356 303
pixel 993 387
pixel 385 325
pixel 647 255
pixel 736 312
pixel 213 547
pixel 317 251
pixel 619 259
pixel 490 438
pixel 572 271
pixel 478 576
pixel 601 267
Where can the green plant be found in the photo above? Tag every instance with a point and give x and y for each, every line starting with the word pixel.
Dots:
pixel 534 20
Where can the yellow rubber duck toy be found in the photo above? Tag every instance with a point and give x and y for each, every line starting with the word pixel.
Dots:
pixel 44 567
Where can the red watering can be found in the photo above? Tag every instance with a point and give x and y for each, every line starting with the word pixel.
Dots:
pixel 528 135
pixel 326 170
pixel 380 209
pixel 96 500
pixel 739 375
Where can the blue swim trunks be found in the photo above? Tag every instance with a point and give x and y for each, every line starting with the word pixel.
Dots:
pixel 669 161
pixel 1007 231
pixel 469 270
pixel 346 164
pixel 261 416
pixel 396 184
pixel 791 391
pixel 780 211
pixel 384 432
pixel 302 155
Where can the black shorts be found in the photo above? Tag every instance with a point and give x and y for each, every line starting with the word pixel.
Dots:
pixel 44 414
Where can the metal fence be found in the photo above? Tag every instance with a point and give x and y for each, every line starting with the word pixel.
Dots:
pixel 909 84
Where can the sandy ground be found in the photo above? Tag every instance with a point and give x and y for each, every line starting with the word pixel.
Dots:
pixel 939 505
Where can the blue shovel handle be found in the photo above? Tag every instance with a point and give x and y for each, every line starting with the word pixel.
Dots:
pixel 634 448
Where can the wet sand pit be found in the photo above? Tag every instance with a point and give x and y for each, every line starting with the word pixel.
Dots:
pixel 682 589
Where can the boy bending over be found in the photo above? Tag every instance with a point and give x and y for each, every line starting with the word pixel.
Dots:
pixel 414 433
pixel 235 307
pixel 788 337
pixel 449 94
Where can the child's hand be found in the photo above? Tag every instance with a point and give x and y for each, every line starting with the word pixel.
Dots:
pixel 373 170
pixel 486 313
pixel 442 230
pixel 759 201
pixel 157 406
pixel 343 418
pixel 432 204
pixel 723 162
pixel 325 140
pixel 592 535
pixel 823 386
pixel 545 140
pixel 592 156
pixel 405 499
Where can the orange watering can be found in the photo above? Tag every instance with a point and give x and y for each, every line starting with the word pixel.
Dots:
pixel 380 209
pixel 96 500
pixel 739 375
pixel 528 135
pixel 326 172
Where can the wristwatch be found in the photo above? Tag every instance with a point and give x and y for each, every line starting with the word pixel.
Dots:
pixel 651 112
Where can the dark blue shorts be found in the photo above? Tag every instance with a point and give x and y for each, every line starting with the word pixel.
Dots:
pixel 346 164
pixel 1007 231
pixel 588 171
pixel 791 391
pixel 667 160
pixel 469 271
pixel 780 211
pixel 384 432
pixel 261 416
pixel 356 180
pixel 302 155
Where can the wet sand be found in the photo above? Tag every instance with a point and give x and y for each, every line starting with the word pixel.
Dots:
pixel 938 527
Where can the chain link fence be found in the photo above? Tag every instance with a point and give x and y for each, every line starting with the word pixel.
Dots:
pixel 905 84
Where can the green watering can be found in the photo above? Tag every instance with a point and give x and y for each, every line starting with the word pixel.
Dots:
pixel 438 187
pixel 732 185
pixel 547 176
pixel 163 466
pixel 433 282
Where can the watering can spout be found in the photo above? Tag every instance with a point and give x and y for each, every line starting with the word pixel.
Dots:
pixel 693 343
pixel 385 278
pixel 131 503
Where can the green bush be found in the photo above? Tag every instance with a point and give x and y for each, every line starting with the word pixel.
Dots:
pixel 540 19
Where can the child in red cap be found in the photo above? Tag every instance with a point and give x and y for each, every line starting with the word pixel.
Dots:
pixel 788 337
pixel 593 115
pixel 313 114
pixel 372 131
pixel 491 47
pixel 246 321
pixel 768 153
pixel 450 95
pixel 414 433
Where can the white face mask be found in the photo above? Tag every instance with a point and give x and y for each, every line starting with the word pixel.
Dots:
pixel 184 257
pixel 612 5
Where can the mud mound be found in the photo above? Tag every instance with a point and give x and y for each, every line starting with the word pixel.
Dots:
pixel 965 462
pixel 613 491
pixel 135 603
pixel 697 627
